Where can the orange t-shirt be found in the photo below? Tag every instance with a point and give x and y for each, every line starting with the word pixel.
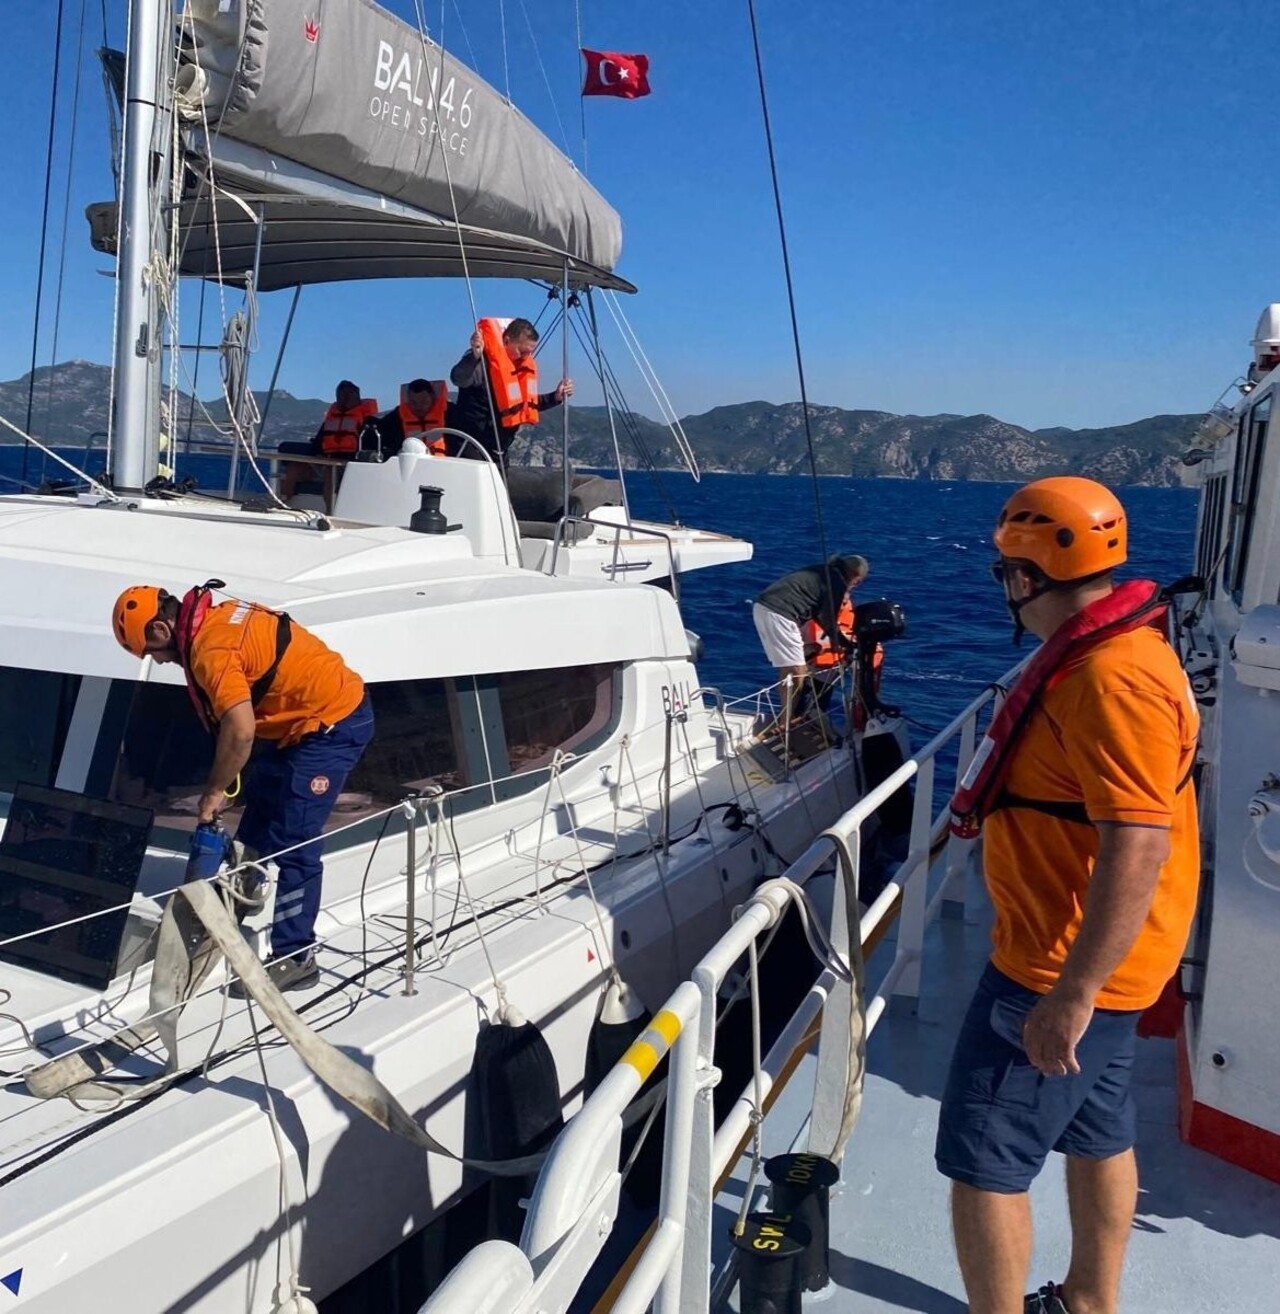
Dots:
pixel 313 687
pixel 1117 733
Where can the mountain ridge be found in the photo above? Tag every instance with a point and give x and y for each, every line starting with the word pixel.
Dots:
pixel 754 437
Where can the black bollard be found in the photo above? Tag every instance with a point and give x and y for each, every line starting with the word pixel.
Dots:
pixel 771 1246
pixel 801 1188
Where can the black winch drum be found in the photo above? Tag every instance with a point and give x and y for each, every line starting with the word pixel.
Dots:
pixel 771 1247
pixel 801 1190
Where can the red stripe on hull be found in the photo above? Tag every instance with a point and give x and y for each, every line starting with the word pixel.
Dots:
pixel 1220 1134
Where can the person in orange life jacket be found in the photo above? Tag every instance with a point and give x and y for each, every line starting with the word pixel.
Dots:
pixel 422 410
pixel 338 436
pixel 264 686
pixel 812 594
pixel 1082 791
pixel 488 376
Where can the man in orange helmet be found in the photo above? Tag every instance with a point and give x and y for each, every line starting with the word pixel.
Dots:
pixel 256 676
pixel 1091 858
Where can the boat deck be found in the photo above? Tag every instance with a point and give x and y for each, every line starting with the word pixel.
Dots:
pixel 1206 1236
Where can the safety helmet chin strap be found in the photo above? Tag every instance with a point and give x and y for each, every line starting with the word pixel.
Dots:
pixel 1043 585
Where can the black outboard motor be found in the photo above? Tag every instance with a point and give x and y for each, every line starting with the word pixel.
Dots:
pixel 874 623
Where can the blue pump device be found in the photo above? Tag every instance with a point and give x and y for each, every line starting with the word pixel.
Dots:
pixel 209 845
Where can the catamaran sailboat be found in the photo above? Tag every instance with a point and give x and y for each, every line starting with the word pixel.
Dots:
pixel 554 820
pixel 751 1215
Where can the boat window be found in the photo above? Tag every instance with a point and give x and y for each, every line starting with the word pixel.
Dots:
pixel 39 705
pixel 163 757
pixel 1244 493
pixel 451 735
pixel 413 744
pixel 571 709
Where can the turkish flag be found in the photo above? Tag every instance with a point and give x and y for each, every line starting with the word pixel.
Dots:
pixel 611 74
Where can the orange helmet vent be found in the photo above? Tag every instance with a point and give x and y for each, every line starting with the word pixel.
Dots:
pixel 1071 528
pixel 135 609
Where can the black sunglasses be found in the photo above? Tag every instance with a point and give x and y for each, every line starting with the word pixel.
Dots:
pixel 997 571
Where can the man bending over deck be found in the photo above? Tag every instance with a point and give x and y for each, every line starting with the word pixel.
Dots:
pixel 257 678
pixel 811 594
pixel 1091 858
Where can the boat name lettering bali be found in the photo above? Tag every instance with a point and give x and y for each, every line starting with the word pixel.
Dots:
pixel 401 80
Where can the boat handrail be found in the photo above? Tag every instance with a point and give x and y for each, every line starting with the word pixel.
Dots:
pixel 575 1201
pixel 433 806
pixel 649 531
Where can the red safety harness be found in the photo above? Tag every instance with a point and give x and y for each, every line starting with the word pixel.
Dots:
pixel 1129 607
pixel 192 612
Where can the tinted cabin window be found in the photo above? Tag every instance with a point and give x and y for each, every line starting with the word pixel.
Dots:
pixel 1244 493
pixel 38 706
pixel 454 735
pixel 164 757
pixel 413 746
pixel 542 711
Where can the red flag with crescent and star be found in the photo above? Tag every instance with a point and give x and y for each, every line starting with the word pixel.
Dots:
pixel 612 74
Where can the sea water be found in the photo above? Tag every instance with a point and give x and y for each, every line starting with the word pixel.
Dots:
pixel 929 545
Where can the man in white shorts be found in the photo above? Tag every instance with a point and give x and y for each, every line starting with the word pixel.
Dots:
pixel 812 594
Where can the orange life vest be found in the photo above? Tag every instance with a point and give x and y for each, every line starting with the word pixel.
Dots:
pixel 434 419
pixel 340 430
pixel 514 384
pixel 814 635
pixel 1129 606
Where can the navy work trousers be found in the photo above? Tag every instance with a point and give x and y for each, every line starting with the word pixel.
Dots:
pixel 291 794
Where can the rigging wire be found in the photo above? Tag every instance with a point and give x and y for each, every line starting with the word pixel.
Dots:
pixel 44 228
pixel 582 100
pixel 66 214
pixel 546 81
pixel 448 177
pixel 466 36
pixel 612 386
pixel 506 64
pixel 613 421
pixel 791 294
pixel 656 390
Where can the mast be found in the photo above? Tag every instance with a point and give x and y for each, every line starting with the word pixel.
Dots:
pixel 137 360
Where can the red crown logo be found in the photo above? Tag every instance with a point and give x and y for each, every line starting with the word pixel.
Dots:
pixel 311 30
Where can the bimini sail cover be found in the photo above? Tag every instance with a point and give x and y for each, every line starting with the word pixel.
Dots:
pixel 363 147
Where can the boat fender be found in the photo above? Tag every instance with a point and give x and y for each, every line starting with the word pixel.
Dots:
pixel 518 1110
pixel 290 1300
pixel 620 1020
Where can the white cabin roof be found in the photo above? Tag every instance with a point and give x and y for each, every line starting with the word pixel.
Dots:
pixel 397 605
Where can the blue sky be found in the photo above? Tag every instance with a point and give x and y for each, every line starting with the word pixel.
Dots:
pixel 1057 213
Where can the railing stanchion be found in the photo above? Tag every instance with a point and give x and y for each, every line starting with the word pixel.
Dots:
pixel 833 1039
pixel 915 897
pixel 696 1080
pixel 953 897
pixel 410 912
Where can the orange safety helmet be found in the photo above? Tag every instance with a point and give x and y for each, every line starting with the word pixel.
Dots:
pixel 135 609
pixel 1070 528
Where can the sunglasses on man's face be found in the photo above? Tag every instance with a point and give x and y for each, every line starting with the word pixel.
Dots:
pixel 998 571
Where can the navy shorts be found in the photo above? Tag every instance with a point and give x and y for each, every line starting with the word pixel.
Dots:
pixel 1000 1117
